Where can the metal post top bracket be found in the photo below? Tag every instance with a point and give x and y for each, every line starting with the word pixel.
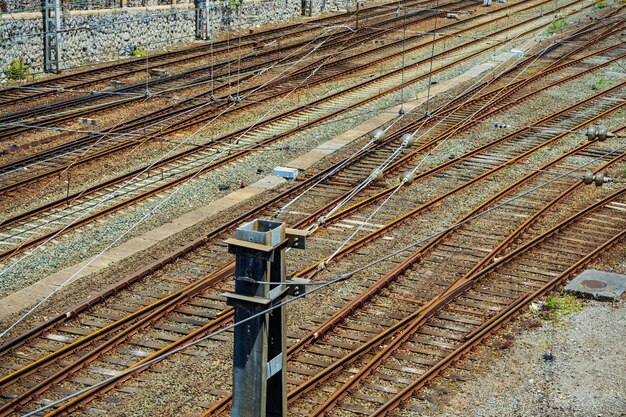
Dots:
pixel 296 238
pixel 233 298
pixel 248 245
pixel 293 238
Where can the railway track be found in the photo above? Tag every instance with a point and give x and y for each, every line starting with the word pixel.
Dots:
pixel 12 95
pixel 188 113
pixel 442 327
pixel 320 354
pixel 154 288
pixel 44 215
pixel 54 113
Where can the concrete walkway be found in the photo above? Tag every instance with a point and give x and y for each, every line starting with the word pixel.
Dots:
pixel 30 295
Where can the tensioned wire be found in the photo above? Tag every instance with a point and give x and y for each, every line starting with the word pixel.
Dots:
pixel 143 218
pixel 180 144
pixel 109 134
pixel 156 94
pixel 392 156
pixel 71 277
pixel 318 286
pixel 385 164
pixel 391 195
pixel 4 333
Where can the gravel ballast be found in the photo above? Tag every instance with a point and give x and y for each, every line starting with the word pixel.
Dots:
pixel 569 367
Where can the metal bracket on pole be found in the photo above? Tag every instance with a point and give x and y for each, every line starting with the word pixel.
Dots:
pixel 259 376
pixel 52 36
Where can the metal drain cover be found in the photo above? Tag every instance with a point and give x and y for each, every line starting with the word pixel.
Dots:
pixel 598 284
pixel 593 283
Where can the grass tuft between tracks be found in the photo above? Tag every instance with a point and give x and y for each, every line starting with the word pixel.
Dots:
pixel 557 308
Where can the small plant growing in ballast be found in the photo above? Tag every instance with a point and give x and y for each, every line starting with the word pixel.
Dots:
pixel 557 26
pixel 599 85
pixel 138 51
pixel 600 5
pixel 556 308
pixel 17 69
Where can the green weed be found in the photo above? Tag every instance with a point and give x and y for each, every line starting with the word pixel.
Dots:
pixel 557 26
pixel 600 5
pixel 599 85
pixel 558 307
pixel 138 52
pixel 17 69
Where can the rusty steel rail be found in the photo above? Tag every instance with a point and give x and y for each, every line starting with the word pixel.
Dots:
pixel 339 317
pixel 194 120
pixel 226 315
pixel 221 162
pixel 106 72
pixel 259 61
pixel 190 247
pixel 401 330
pixel 505 315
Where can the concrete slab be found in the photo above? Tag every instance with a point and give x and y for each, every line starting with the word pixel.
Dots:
pixel 29 295
pixel 598 284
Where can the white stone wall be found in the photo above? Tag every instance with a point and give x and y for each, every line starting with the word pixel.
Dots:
pixel 103 35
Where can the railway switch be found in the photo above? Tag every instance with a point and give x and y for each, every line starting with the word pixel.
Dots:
pixel 259 359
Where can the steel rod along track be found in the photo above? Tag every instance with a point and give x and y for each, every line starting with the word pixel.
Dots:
pixel 92 146
pixel 160 175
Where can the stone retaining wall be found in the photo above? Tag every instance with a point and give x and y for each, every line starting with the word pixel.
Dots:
pixel 91 36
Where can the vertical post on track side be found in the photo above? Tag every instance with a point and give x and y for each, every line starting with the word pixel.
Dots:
pixel 307 7
pixel 203 19
pixel 259 360
pixel 52 35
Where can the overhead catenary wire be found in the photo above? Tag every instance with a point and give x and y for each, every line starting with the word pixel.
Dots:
pixel 371 176
pixel 318 286
pixel 371 216
pixel 189 111
pixel 143 218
